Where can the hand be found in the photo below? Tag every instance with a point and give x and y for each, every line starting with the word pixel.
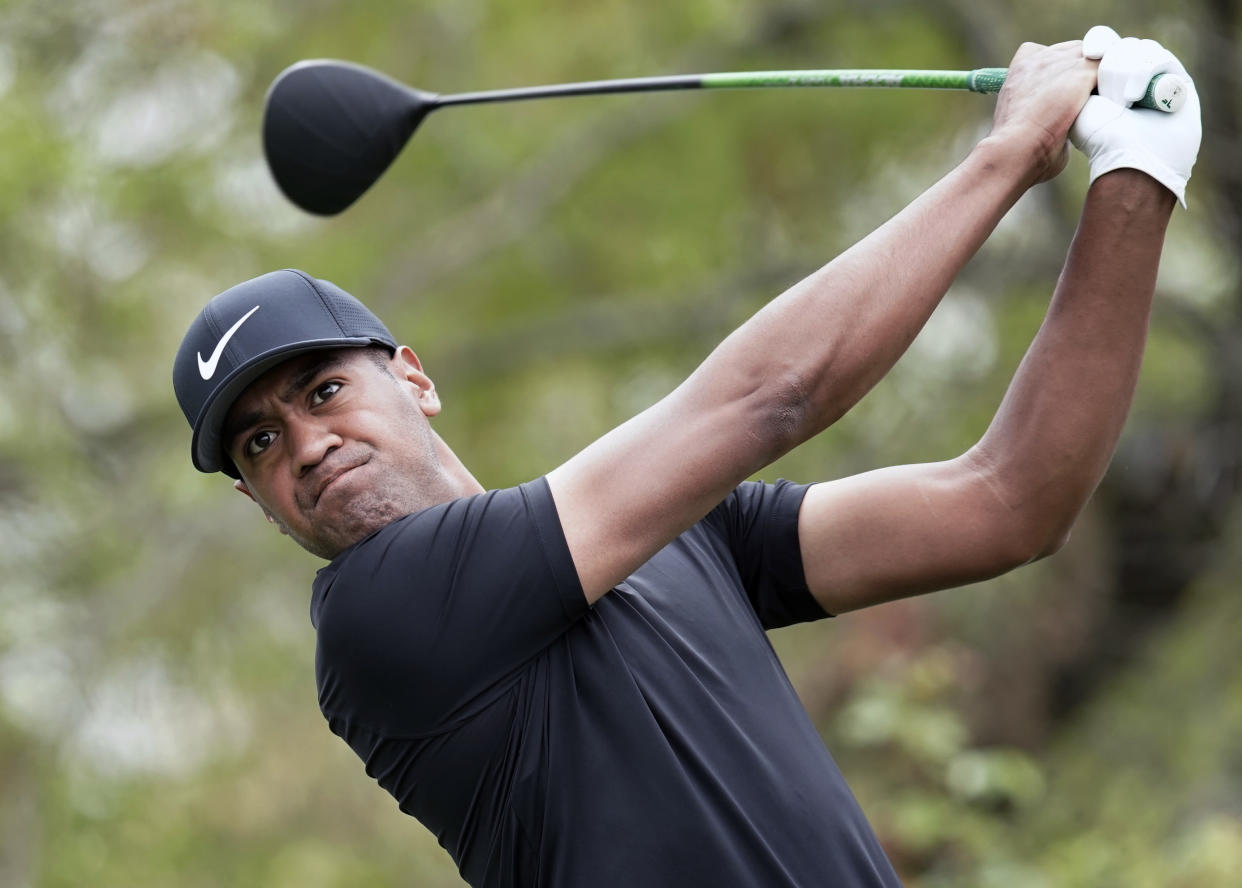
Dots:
pixel 1115 136
pixel 1045 89
pixel 1127 65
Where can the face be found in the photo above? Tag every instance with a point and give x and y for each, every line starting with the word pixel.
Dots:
pixel 334 446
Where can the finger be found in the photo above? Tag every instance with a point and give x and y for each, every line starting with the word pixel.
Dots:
pixel 1128 66
pixel 1150 59
pixel 1026 50
pixel 1098 40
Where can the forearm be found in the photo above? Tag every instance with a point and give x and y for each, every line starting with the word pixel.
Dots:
pixel 780 378
pixel 1057 427
pixel 1012 498
pixel 820 346
pixel 809 355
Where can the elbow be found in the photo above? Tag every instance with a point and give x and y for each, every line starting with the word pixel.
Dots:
pixel 1025 523
pixel 783 414
pixel 1020 542
pixel 1048 543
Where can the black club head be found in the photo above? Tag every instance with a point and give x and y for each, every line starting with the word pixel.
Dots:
pixel 331 129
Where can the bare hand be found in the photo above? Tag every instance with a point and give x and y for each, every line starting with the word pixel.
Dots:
pixel 1045 89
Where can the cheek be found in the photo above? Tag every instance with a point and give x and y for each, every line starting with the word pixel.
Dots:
pixel 417 442
pixel 403 430
pixel 277 504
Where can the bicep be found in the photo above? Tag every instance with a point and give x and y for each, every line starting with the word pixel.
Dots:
pixel 634 490
pixel 905 530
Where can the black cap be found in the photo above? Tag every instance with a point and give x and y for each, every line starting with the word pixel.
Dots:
pixel 248 329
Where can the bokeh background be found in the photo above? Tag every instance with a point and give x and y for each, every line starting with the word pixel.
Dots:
pixel 559 266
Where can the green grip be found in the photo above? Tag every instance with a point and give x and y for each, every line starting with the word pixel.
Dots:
pixel 986 80
pixel 1164 92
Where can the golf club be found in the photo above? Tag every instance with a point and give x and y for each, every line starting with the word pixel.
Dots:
pixel 331 128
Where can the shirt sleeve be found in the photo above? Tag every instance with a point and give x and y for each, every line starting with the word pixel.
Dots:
pixel 760 524
pixel 428 620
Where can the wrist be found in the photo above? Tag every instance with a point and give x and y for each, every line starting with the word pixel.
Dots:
pixel 1020 159
pixel 1134 192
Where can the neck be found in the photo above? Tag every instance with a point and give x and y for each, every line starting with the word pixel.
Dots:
pixel 455 469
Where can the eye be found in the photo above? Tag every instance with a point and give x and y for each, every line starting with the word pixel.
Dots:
pixel 258 442
pixel 324 392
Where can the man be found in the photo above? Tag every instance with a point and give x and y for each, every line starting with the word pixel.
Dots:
pixel 568 681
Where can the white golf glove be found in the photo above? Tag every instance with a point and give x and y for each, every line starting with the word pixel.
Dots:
pixel 1114 136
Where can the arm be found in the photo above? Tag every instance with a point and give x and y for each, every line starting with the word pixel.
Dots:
pixel 809 355
pixel 1013 496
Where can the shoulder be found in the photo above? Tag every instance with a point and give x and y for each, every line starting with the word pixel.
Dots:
pixel 459 567
pixel 444 533
pixel 449 601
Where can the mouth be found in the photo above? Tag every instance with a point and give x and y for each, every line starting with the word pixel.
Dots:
pixel 331 479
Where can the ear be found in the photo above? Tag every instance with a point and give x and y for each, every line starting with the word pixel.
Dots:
pixel 405 365
pixel 240 487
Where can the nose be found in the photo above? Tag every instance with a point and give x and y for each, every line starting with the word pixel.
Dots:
pixel 311 440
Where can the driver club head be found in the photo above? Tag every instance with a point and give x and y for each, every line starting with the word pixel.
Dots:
pixel 331 129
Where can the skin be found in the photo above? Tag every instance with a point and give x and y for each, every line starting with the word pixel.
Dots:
pixel 810 354
pixel 782 377
pixel 332 447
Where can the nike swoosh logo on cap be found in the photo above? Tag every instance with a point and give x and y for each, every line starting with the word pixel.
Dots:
pixel 207 368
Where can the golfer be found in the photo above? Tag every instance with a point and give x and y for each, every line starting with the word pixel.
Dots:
pixel 568 681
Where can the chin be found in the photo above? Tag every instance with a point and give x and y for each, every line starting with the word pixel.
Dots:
pixel 358 504
pixel 357 520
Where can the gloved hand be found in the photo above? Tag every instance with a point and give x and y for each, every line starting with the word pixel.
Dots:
pixel 1114 136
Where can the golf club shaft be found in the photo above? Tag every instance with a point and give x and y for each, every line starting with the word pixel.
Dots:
pixel 980 80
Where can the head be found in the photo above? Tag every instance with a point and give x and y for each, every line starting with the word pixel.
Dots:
pixel 301 395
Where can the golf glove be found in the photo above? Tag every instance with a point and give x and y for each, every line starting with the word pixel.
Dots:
pixel 1114 136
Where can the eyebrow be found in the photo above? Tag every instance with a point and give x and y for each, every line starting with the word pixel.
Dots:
pixel 308 374
pixel 300 380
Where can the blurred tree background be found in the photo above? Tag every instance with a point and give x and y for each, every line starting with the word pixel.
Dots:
pixel 559 266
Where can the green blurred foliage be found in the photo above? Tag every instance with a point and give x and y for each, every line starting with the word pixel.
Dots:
pixel 558 266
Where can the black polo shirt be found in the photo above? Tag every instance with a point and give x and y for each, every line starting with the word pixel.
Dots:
pixel 650 740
